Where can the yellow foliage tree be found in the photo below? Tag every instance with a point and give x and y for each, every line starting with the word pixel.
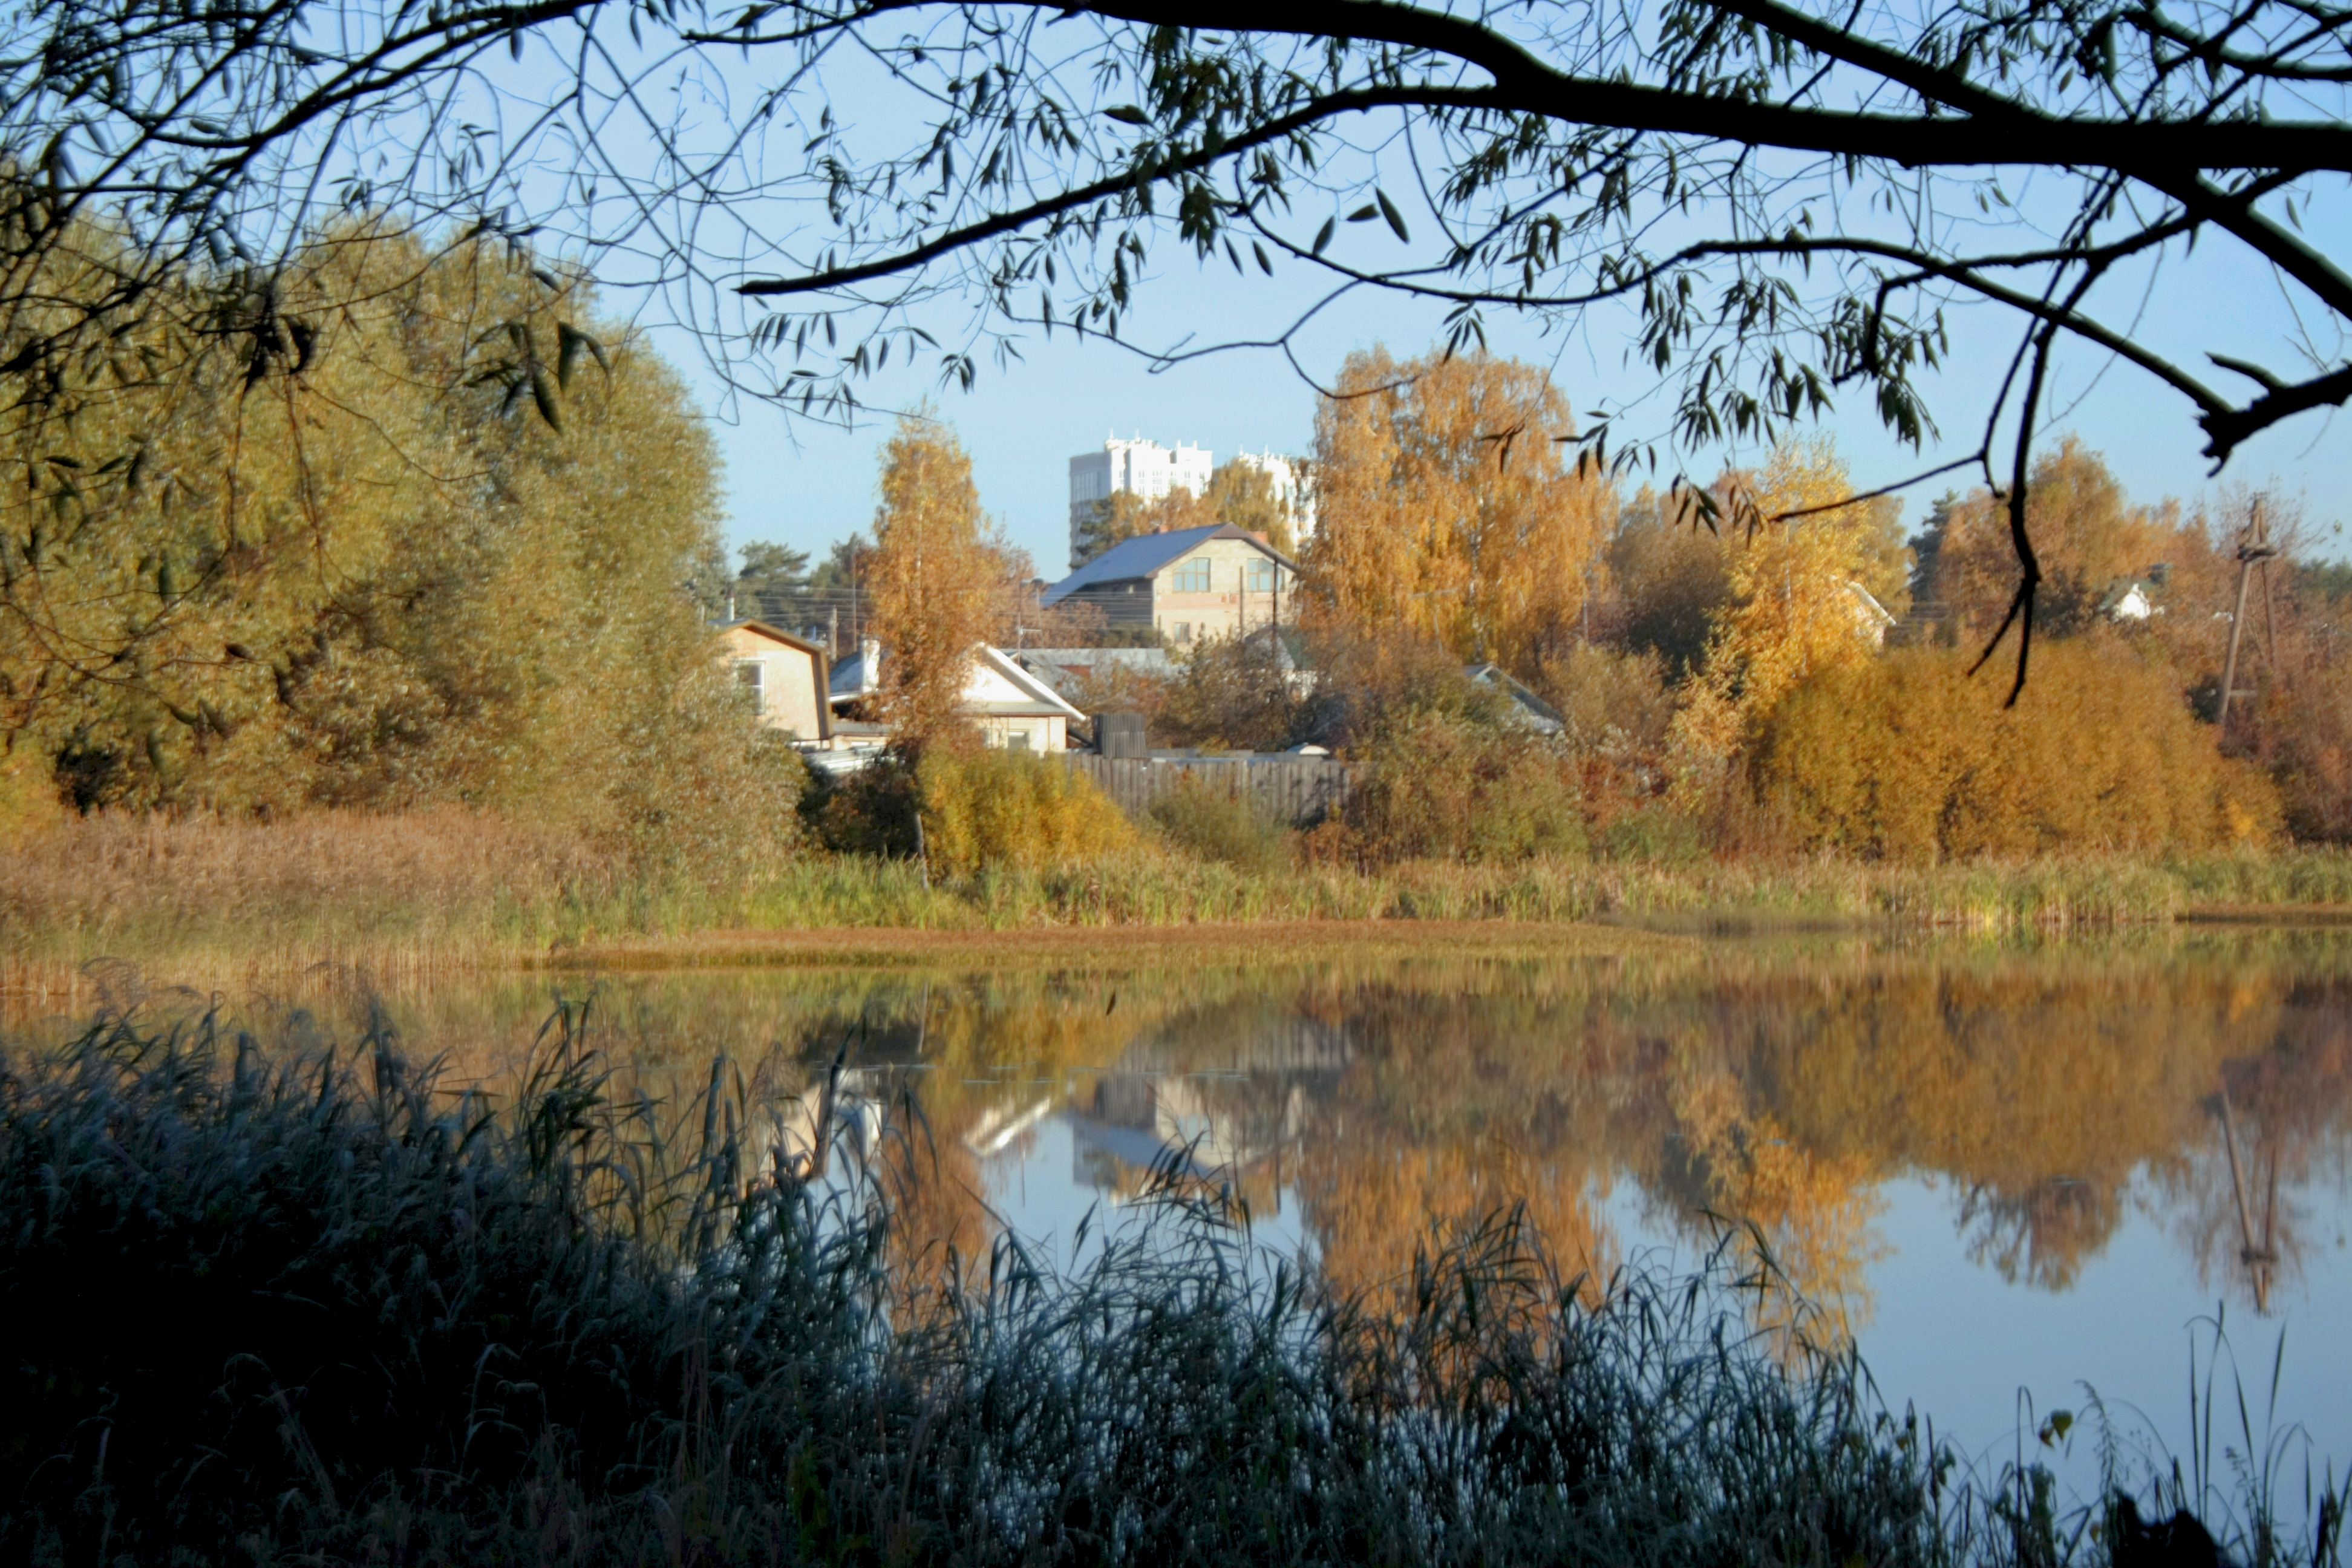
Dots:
pixel 1908 759
pixel 1810 593
pixel 1449 505
pixel 2088 538
pixel 1812 1211
pixel 941 583
pixel 1242 494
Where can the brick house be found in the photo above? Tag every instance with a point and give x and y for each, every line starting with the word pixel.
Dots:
pixel 1190 584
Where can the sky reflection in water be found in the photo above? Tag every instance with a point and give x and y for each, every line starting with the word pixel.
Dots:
pixel 2006 1172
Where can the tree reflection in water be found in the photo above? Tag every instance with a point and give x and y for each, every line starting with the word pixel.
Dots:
pixel 1773 1088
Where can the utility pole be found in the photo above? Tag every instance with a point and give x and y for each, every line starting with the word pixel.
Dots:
pixel 2254 549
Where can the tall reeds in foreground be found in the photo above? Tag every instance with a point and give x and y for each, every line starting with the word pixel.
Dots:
pixel 317 1307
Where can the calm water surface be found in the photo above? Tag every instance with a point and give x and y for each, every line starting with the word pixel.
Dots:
pixel 2009 1174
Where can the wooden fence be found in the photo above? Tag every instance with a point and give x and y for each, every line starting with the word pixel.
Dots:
pixel 1300 790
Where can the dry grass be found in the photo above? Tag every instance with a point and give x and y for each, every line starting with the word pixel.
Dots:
pixel 398 893
pixel 209 902
pixel 1122 947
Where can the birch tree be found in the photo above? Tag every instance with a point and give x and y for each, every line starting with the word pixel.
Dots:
pixel 938 584
pixel 1451 505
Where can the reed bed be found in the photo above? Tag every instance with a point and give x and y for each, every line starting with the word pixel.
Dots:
pixel 386 1323
pixel 402 897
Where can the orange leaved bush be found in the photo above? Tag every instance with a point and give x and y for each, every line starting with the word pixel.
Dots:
pixel 1906 758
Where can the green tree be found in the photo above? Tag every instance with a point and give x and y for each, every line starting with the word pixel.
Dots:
pixel 771 576
pixel 770 568
pixel 844 566
pixel 387 578
pixel 1673 576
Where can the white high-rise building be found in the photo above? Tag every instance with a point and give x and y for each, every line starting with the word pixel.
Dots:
pixel 1145 469
pixel 1290 487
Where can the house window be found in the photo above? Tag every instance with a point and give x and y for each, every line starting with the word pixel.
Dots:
pixel 1192 576
pixel 1018 741
pixel 1260 576
pixel 746 676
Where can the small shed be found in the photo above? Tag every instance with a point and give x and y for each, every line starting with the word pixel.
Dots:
pixel 783 676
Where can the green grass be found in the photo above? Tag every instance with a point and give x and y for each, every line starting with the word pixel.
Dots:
pixel 283 1305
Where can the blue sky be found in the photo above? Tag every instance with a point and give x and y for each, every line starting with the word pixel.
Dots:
pixel 805 484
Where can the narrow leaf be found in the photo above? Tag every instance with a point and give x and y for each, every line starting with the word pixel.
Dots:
pixel 1323 235
pixel 1388 211
pixel 544 396
pixel 570 340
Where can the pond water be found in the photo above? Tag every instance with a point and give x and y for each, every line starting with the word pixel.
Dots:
pixel 2011 1174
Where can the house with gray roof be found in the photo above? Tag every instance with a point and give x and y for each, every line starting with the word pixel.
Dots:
pixel 1190 584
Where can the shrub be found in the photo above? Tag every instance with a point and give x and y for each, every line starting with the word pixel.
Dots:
pixel 870 812
pixel 1233 692
pixel 1371 681
pixel 1223 824
pixel 1907 758
pixel 1004 810
pixel 1452 788
pixel 1654 833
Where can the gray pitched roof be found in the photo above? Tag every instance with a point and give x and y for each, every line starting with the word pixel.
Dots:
pixel 855 677
pixel 1147 554
pixel 1529 708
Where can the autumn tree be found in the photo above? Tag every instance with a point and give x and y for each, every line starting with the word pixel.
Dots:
pixel 1242 494
pixel 1906 758
pixel 1815 592
pixel 939 579
pixel 2091 540
pixel 1450 504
